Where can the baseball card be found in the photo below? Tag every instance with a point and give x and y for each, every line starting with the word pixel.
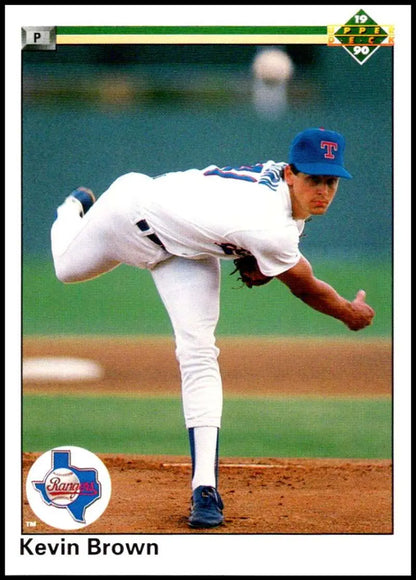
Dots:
pixel 207 222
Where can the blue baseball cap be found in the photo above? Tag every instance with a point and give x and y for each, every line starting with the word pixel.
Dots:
pixel 319 152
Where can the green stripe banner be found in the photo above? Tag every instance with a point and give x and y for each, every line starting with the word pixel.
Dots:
pixel 191 34
pixel 67 30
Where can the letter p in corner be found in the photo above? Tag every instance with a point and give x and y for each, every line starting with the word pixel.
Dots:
pixel 39 38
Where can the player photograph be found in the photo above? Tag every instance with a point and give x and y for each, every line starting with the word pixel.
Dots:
pixel 205 214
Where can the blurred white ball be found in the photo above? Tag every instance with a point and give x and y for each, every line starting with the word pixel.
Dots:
pixel 272 66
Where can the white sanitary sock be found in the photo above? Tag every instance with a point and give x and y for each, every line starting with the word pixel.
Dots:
pixel 204 451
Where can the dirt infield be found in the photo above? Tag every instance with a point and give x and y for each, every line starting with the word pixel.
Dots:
pixel 261 495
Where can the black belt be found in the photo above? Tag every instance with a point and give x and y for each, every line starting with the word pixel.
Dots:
pixel 144 227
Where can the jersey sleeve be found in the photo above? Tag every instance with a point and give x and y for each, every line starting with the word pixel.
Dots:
pixel 275 252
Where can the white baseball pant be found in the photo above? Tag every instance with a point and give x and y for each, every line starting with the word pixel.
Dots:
pixel 86 247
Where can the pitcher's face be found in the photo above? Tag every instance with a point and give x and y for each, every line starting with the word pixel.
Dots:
pixel 310 194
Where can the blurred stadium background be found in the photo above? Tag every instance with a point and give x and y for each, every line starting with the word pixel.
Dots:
pixel 91 113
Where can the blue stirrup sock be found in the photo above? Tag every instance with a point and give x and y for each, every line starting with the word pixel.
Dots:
pixel 204 443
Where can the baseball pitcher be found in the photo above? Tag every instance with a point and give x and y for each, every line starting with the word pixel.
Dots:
pixel 179 226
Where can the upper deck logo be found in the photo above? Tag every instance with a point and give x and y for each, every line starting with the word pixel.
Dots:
pixel 68 488
pixel 361 36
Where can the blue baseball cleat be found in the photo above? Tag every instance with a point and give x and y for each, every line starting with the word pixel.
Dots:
pixel 85 197
pixel 206 508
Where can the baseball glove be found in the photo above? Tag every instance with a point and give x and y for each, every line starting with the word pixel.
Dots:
pixel 249 272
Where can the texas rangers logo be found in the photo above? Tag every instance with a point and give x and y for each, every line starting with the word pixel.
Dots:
pixel 69 489
pixel 329 147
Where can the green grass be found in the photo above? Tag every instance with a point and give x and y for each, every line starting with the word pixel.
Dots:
pixel 274 427
pixel 125 301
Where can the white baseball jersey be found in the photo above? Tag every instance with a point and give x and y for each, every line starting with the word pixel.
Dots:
pixel 226 212
pixel 200 216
